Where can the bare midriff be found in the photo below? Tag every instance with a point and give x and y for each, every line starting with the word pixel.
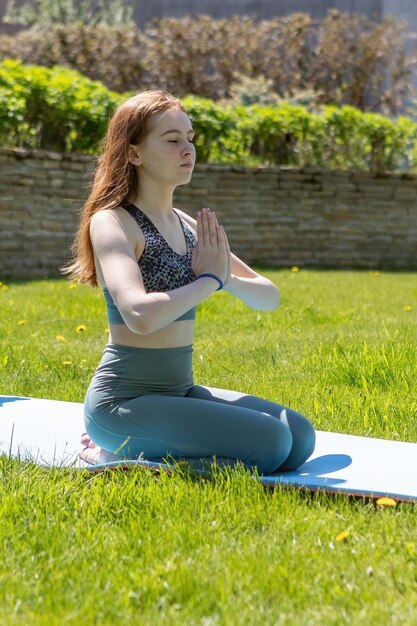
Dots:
pixel 175 335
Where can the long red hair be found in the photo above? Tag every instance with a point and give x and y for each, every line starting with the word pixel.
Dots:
pixel 115 178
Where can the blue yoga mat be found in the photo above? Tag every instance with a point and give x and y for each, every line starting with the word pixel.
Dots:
pixel 47 432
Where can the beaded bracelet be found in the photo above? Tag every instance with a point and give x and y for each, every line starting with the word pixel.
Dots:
pixel 210 275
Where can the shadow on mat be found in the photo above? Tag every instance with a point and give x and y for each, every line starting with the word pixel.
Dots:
pixel 325 464
pixel 312 473
pixel 5 399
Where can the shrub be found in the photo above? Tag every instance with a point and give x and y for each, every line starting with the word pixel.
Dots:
pixel 200 56
pixel 344 139
pixel 93 12
pixel 113 55
pixel 247 91
pixel 288 134
pixel 343 59
pixel 361 63
pixel 390 145
pixel 213 125
pixel 52 108
pixel 56 108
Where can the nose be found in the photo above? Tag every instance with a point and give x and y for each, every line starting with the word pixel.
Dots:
pixel 188 148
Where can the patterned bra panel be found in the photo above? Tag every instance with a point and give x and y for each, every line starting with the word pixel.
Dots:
pixel 161 267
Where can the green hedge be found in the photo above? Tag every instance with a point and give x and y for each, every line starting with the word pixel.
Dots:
pixel 337 138
pixel 60 109
pixel 52 108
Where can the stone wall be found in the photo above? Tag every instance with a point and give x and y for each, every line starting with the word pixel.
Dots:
pixel 40 194
pixel 274 217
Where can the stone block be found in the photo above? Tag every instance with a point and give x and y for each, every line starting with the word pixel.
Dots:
pixel 57 183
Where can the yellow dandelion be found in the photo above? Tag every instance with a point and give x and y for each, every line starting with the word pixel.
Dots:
pixel 60 338
pixel 81 328
pixel 386 502
pixel 4 287
pixel 107 330
pixel 408 308
pixel 73 286
pixel 66 362
pixel 375 273
pixel 343 536
pixel 5 360
pixel 295 269
pixel 21 322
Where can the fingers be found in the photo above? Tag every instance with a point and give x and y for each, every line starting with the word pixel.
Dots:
pixel 222 238
pixel 200 229
pixel 207 227
pixel 211 250
pixel 213 228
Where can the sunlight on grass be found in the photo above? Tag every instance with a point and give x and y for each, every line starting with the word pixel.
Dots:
pixel 134 548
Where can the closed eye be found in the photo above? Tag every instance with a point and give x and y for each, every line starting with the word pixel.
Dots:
pixel 190 140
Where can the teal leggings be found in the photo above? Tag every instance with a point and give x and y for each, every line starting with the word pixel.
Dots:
pixel 143 402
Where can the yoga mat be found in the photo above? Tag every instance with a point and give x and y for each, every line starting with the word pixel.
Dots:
pixel 47 432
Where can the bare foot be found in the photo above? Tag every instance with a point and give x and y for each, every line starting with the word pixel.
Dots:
pixel 93 455
pixel 86 441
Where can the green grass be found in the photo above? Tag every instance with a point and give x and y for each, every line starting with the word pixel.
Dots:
pixel 133 548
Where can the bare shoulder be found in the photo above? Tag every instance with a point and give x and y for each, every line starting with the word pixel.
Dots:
pixel 109 218
pixel 115 224
pixel 115 231
pixel 105 220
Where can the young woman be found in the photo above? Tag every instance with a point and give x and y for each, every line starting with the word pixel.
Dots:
pixel 155 264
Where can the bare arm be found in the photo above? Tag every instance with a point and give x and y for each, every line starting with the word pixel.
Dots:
pixel 117 248
pixel 255 290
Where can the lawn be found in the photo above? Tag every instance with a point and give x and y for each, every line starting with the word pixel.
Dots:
pixel 133 548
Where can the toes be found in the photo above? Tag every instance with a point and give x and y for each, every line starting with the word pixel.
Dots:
pixel 90 455
pixel 86 441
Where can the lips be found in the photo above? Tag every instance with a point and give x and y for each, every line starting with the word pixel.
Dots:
pixel 188 164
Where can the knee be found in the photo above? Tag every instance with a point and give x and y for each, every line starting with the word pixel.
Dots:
pixel 276 447
pixel 303 436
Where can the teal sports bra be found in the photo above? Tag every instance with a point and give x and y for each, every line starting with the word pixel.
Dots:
pixel 161 267
pixel 114 317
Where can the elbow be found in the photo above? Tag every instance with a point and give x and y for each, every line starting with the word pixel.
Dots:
pixel 268 300
pixel 143 328
pixel 273 300
pixel 135 314
pixel 271 305
pixel 139 323
pixel 266 304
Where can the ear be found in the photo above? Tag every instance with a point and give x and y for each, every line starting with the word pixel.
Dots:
pixel 134 156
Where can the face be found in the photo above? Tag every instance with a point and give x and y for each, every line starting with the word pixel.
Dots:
pixel 167 154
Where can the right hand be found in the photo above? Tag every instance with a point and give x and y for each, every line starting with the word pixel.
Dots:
pixel 211 253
